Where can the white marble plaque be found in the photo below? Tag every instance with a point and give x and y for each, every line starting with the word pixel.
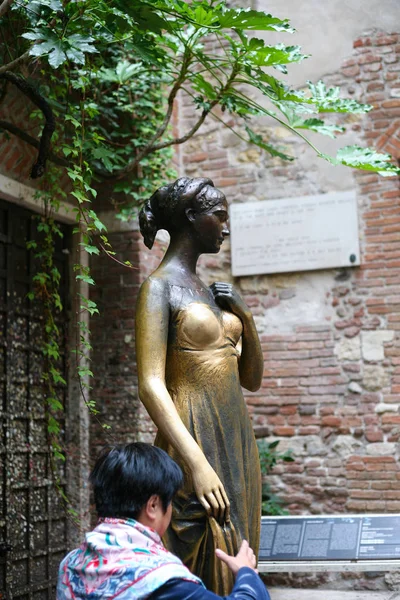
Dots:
pixel 295 234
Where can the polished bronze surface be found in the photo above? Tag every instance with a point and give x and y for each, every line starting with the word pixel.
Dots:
pixel 196 346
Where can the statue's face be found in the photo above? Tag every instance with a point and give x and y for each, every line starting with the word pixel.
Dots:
pixel 211 227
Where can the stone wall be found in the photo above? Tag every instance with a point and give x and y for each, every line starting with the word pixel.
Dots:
pixel 113 340
pixel 331 339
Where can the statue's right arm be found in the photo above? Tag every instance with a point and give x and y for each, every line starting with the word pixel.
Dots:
pixel 152 322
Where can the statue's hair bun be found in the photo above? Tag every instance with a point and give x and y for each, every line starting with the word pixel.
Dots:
pixel 162 210
pixel 150 218
pixel 148 224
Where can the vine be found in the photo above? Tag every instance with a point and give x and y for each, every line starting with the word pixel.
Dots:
pixel 82 121
pixel 269 456
pixel 46 282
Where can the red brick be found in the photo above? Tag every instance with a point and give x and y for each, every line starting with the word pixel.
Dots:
pixel 380 485
pixel 391 419
pixel 309 430
pixel 351 71
pixel 361 42
pixel 383 40
pixel 198 156
pixel 356 505
pixel 374 435
pixel 331 421
pixel 284 431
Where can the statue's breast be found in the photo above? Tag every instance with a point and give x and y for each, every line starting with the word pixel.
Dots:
pixel 199 327
pixel 232 326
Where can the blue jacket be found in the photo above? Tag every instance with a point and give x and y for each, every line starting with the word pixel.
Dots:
pixel 248 586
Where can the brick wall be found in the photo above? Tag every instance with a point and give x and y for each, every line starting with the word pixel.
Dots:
pixel 16 156
pixel 331 339
pixel 113 340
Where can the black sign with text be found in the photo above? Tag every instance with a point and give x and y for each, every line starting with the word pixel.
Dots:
pixel 330 538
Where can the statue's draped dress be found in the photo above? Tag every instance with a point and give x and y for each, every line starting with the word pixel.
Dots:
pixel 202 378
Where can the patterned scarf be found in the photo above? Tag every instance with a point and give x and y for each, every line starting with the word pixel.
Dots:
pixel 120 559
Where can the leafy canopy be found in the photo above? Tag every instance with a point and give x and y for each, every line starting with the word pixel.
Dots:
pixel 121 65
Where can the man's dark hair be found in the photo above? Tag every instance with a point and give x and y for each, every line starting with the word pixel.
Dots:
pixel 126 476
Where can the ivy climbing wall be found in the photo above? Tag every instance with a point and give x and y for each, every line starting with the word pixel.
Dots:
pixel 33 522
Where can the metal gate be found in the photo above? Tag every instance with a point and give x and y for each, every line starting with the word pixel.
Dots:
pixel 32 520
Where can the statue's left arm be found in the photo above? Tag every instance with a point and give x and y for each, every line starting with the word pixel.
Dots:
pixel 251 363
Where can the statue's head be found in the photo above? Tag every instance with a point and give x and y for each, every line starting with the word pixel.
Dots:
pixel 187 204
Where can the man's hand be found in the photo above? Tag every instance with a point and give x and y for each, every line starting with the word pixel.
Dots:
pixel 244 558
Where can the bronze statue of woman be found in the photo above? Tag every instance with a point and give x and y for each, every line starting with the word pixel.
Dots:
pixel 196 346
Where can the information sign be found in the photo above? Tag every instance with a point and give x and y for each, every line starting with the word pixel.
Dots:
pixel 330 538
pixel 294 234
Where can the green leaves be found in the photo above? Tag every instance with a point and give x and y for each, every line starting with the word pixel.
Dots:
pixel 57 377
pixel 272 150
pixel 328 100
pixel 267 56
pixel 319 126
pixel 199 84
pixel 105 156
pixel 54 5
pixel 47 44
pixel 124 55
pixel 86 278
pixel 203 14
pixel 123 71
pixel 269 457
pixel 366 159
pixel 58 50
pixel 88 305
pixel 253 20
pixel 77 46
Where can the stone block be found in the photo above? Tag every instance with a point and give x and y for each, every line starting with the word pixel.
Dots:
pixel 348 349
pixel 375 377
pixel 230 139
pixel 372 344
pixel 355 388
pixel 383 407
pixel 381 449
pixel 346 445
pixel 251 156
pixel 315 446
pixel 393 580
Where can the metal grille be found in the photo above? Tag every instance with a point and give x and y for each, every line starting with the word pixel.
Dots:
pixel 32 520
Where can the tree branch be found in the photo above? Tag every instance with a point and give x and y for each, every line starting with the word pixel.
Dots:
pixel 14 63
pixel 51 156
pixel 172 95
pixel 4 6
pixel 188 135
pixel 26 88
pixel 57 160
pixel 151 147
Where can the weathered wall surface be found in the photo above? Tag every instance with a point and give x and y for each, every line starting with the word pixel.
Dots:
pixel 113 340
pixel 16 156
pixel 331 339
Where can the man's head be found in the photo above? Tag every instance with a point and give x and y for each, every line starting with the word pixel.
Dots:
pixel 136 481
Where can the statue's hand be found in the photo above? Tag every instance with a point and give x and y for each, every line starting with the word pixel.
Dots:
pixel 227 298
pixel 211 493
